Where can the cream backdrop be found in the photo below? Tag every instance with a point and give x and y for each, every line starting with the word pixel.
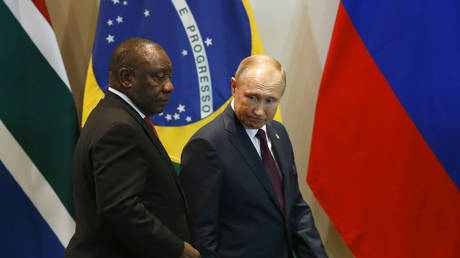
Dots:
pixel 296 32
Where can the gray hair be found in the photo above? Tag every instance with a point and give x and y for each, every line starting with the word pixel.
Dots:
pixel 255 60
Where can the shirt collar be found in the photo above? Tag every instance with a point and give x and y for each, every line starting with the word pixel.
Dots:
pixel 127 100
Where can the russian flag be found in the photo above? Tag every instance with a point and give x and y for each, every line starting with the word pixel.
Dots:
pixel 385 154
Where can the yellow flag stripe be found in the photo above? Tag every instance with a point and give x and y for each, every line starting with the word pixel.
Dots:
pixel 92 94
pixel 257 48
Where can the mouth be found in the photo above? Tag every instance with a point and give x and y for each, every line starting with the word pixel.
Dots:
pixel 256 120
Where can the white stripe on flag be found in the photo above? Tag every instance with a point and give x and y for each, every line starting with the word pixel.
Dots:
pixel 40 32
pixel 199 53
pixel 35 186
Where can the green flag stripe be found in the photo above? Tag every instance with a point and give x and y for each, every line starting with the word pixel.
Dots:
pixel 37 107
pixel 38 190
pixel 177 167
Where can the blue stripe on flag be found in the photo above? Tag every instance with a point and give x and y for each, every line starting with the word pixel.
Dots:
pixel 24 233
pixel 416 46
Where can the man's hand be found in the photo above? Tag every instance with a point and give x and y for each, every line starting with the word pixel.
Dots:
pixel 189 252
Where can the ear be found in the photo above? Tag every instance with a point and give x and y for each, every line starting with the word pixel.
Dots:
pixel 233 86
pixel 126 77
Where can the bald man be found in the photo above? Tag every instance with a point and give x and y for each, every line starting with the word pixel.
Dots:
pixel 240 177
pixel 128 200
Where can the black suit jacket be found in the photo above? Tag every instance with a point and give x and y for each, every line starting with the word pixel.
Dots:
pixel 128 200
pixel 234 208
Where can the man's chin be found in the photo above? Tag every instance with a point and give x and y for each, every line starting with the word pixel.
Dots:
pixel 253 125
pixel 158 110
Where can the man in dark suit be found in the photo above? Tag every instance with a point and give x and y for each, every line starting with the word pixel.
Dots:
pixel 240 178
pixel 128 200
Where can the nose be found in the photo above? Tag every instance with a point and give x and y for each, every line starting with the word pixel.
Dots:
pixel 259 109
pixel 168 87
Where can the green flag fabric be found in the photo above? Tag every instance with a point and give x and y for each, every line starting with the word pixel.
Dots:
pixel 38 131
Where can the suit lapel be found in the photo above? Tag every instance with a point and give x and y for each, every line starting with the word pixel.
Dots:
pixel 157 143
pixel 240 140
pixel 153 138
pixel 281 159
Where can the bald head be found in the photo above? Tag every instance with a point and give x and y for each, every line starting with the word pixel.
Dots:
pixel 142 70
pixel 128 54
pixel 261 65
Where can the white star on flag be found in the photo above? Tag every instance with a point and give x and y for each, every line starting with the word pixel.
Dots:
pixel 162 113
pixel 116 1
pixel 181 108
pixel 188 119
pixel 176 116
pixel 125 2
pixel 109 22
pixel 119 19
pixel 110 38
pixel 208 41
pixel 146 13
pixel 168 117
pixel 184 52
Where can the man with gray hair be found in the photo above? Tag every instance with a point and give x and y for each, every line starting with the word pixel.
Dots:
pixel 240 178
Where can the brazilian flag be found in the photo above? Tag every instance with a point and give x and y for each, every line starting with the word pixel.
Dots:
pixel 206 40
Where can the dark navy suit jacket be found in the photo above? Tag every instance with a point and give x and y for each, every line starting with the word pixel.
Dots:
pixel 235 212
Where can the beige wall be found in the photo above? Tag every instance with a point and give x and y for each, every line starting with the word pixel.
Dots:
pixel 75 24
pixel 296 32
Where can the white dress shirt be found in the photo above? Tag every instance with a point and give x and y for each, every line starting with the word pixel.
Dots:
pixel 127 100
pixel 252 135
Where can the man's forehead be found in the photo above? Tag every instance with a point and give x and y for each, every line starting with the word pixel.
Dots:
pixel 157 66
pixel 263 76
pixel 262 82
pixel 156 57
pixel 262 72
pixel 254 86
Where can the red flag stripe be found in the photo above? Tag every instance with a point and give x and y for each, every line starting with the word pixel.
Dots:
pixel 370 168
pixel 41 6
